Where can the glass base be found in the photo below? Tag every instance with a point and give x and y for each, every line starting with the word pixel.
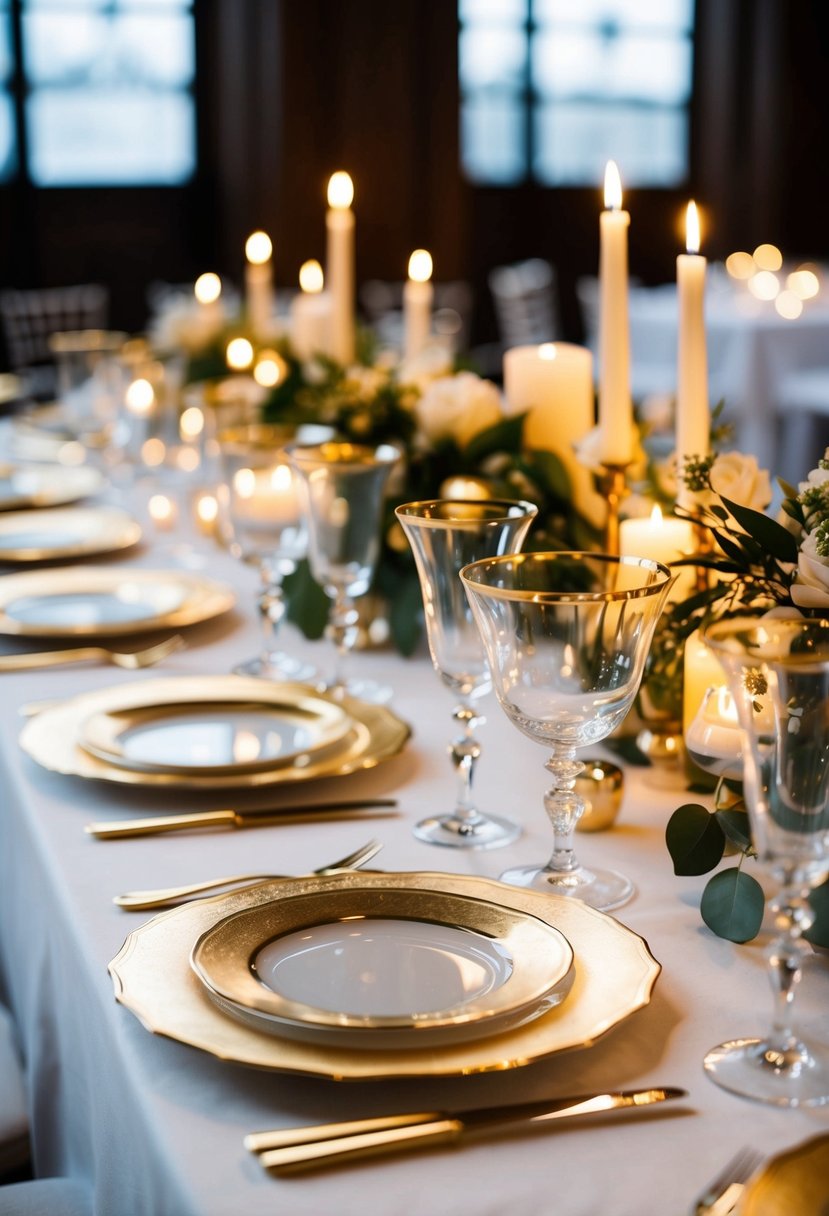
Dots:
pixel 482 832
pixel 277 666
pixel 602 889
pixel 754 1069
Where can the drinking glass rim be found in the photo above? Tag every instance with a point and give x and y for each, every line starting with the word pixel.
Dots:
pixel 259 436
pixel 566 597
pixel 365 455
pixel 408 511
pixel 792 625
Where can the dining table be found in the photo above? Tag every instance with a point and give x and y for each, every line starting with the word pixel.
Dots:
pixel 156 1127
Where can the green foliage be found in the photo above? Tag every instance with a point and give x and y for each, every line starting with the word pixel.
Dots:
pixel 695 839
pixel 732 905
pixel 306 602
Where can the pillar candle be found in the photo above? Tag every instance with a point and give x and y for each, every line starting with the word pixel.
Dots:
pixel 339 224
pixel 702 670
pixel 663 539
pixel 693 422
pixel 259 283
pixel 418 294
pixel 208 292
pixel 310 313
pixel 615 405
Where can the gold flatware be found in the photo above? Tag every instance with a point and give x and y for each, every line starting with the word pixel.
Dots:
pixel 724 1192
pixel 368 808
pixel 166 897
pixel 292 1149
pixel 130 660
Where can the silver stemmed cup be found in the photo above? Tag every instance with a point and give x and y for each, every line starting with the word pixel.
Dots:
pixel 445 535
pixel 778 675
pixel 343 488
pixel 567 635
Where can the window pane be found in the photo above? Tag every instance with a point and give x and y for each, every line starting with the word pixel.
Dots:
pixel 8 143
pixel 6 61
pixel 492 139
pixel 121 5
pixel 510 12
pixel 574 64
pixel 81 48
pixel 492 56
pixel 575 140
pixel 675 15
pixel 99 136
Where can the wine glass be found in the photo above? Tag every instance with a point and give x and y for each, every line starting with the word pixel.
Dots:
pixel 263 516
pixel 342 487
pixel 567 635
pixel 778 676
pixel 445 535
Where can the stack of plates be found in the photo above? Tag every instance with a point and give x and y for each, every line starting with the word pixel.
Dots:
pixel 211 732
pixel 65 532
pixel 46 485
pixel 370 975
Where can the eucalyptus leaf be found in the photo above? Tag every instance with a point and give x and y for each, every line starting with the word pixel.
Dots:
pixel 406 615
pixel 307 604
pixel 734 822
pixel 504 436
pixel 768 533
pixel 732 905
pixel 695 839
pixel 554 472
pixel 818 935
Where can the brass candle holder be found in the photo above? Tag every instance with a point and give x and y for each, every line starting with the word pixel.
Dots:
pixel 613 484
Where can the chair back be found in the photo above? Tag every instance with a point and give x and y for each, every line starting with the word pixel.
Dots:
pixel 30 317
pixel 525 296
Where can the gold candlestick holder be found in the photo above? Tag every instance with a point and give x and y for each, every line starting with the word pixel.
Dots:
pixel 613 484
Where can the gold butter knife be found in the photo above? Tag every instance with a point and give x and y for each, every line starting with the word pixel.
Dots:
pixel 369 808
pixel 293 1149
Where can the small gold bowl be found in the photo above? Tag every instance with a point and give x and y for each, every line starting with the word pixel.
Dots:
pixel 601 785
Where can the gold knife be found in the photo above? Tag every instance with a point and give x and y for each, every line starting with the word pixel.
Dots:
pixel 369 808
pixel 290 1150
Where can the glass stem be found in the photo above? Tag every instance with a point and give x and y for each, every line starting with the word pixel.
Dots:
pixel 464 752
pixel 343 631
pixel 564 807
pixel 792 917
pixel 272 609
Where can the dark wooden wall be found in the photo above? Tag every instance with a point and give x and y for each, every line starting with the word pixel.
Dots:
pixel 290 90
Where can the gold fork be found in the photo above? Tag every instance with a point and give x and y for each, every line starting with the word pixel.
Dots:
pixel 723 1193
pixel 131 660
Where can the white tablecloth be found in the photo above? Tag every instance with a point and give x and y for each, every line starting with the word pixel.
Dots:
pixel 157 1126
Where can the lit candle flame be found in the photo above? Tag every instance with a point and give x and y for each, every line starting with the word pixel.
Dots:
pixel 311 278
pixel 726 706
pixel 340 191
pixel 420 266
pixel 258 248
pixel 692 228
pixel 656 516
pixel 207 288
pixel 547 351
pixel 239 354
pixel 612 187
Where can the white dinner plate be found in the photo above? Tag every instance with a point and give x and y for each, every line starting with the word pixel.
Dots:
pixel 46 485
pixel 224 735
pixel 379 965
pixel 63 532
pixel 85 601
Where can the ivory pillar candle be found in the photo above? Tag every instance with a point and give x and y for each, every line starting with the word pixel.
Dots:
pixel 339 224
pixel 310 313
pixel 693 421
pixel 418 294
pixel 702 670
pixel 259 283
pixel 615 406
pixel 663 539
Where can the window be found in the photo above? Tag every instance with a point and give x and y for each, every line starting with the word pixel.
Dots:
pixel 553 89
pixel 107 90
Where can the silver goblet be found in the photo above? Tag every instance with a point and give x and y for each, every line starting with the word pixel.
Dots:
pixel 445 535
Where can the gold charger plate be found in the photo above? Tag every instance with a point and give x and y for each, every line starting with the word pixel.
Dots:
pixel 46 485
pixel 193 736
pixel 614 977
pixel 88 602
pixel 62 532
pixel 375 965
pixel 793 1183
pixel 53 737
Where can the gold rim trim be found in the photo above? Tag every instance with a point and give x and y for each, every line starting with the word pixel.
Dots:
pixel 472 573
pixel 57 485
pixel 504 510
pixel 615 976
pixel 101 530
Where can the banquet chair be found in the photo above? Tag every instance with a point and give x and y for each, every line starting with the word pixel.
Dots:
pixel 525 296
pixel 802 422
pixel 382 303
pixel 29 318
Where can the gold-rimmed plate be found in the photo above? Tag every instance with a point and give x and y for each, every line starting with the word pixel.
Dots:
pixel 46 485
pixel 53 738
pixel 376 965
pixel 87 602
pixel 235 735
pixel 614 977
pixel 64 532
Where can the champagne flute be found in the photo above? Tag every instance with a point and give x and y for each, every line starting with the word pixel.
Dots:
pixel 343 487
pixel 445 535
pixel 567 635
pixel 266 529
pixel 778 676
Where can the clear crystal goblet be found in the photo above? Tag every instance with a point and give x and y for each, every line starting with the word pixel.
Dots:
pixel 343 488
pixel 567 635
pixel 445 535
pixel 262 513
pixel 778 676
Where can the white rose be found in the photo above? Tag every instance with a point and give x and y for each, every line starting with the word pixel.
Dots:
pixel 433 362
pixel 739 478
pixel 811 586
pixel 817 477
pixel 458 407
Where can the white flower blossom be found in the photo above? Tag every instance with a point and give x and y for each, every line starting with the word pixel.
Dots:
pixel 811 586
pixel 739 478
pixel 458 407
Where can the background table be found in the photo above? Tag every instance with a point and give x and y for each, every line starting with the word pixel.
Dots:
pixel 157 1126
